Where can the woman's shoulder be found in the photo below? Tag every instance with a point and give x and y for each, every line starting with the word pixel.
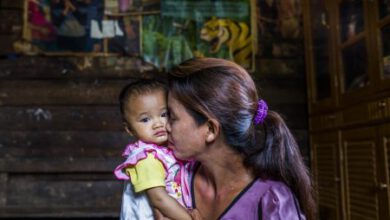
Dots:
pixel 279 200
pixel 276 191
pixel 275 185
pixel 264 199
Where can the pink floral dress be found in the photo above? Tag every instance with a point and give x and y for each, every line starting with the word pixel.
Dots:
pixel 135 206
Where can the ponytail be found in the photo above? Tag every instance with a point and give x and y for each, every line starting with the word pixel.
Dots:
pixel 279 158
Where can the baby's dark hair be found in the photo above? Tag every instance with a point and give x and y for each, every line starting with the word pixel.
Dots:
pixel 138 87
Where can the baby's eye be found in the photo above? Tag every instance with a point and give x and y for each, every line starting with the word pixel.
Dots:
pixel 144 120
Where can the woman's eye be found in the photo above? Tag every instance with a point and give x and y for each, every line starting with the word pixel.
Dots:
pixel 171 118
pixel 164 114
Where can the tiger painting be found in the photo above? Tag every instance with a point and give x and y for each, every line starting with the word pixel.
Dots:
pixel 235 35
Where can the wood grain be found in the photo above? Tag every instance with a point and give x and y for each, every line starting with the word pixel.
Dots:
pixel 59 92
pixel 64 118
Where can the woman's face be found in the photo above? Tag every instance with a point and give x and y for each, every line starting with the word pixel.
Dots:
pixel 185 137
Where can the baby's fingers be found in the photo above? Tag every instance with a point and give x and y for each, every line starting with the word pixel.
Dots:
pixel 195 215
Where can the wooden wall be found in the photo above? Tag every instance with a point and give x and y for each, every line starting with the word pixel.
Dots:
pixel 11 23
pixel 60 128
pixel 60 138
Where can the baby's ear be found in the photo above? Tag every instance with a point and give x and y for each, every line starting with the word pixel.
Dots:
pixel 127 129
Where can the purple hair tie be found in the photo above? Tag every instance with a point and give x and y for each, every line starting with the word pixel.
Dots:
pixel 261 112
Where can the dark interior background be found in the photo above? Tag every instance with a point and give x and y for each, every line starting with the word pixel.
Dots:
pixel 60 127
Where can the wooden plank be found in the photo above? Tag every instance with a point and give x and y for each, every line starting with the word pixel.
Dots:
pixel 11 22
pixel 63 118
pixel 69 144
pixel 7 41
pixel 59 92
pixel 301 137
pixel 3 189
pixel 60 213
pixel 11 16
pixel 57 190
pixel 281 67
pixel 17 4
pixel 294 114
pixel 282 91
pixel 127 68
pixel 59 165
pixel 9 28
pixel 78 193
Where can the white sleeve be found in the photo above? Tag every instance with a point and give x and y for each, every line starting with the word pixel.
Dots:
pixel 135 206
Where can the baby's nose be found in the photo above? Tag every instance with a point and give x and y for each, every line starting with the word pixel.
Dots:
pixel 158 123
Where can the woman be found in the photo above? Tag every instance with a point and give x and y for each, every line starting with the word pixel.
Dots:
pixel 237 173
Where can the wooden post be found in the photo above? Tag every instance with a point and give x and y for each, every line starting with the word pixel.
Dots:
pixel 3 189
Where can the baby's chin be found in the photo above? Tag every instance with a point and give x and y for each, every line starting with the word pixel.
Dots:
pixel 162 141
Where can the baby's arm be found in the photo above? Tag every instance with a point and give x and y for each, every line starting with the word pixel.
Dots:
pixel 168 206
pixel 148 175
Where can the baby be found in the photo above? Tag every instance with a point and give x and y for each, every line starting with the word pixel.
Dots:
pixel 156 183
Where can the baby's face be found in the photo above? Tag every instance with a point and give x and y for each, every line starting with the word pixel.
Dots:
pixel 147 116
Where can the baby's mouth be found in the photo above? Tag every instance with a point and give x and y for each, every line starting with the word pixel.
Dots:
pixel 160 133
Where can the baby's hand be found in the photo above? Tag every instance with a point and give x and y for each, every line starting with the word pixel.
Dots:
pixel 195 215
pixel 158 215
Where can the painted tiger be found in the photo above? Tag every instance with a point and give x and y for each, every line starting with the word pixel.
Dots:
pixel 236 36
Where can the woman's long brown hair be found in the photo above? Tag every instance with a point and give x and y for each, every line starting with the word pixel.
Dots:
pixel 220 89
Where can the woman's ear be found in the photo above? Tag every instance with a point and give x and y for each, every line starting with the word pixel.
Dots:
pixel 212 130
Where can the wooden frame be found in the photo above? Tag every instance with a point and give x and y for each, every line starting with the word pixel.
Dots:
pixel 324 105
